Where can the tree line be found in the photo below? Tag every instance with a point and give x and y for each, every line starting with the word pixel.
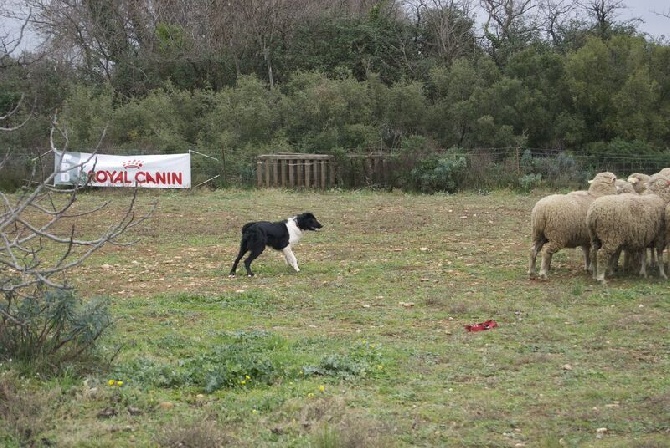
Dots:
pixel 415 79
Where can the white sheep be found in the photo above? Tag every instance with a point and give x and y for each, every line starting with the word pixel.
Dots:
pixel 636 183
pixel 640 181
pixel 559 221
pixel 630 222
pixel 665 172
pixel 623 186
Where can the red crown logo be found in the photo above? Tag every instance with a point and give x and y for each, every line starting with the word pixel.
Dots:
pixel 133 164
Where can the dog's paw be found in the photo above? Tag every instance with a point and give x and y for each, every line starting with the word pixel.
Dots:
pixel 231 275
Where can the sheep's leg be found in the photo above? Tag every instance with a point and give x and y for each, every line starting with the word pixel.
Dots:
pixel 613 262
pixel 653 259
pixel 606 255
pixel 614 265
pixel 586 253
pixel 535 249
pixel 549 250
pixel 661 263
pixel 643 263
pixel 594 261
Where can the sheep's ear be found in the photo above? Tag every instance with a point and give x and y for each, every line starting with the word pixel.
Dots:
pixel 591 181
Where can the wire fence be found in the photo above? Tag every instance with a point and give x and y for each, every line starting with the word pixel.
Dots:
pixel 488 168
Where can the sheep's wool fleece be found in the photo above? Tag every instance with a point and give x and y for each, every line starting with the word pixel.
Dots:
pixel 560 217
pixel 629 220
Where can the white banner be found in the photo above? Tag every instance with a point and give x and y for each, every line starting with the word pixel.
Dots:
pixel 98 170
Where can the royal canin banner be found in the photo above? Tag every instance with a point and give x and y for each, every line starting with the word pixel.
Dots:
pixel 98 170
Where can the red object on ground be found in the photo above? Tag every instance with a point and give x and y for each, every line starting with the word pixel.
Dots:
pixel 487 325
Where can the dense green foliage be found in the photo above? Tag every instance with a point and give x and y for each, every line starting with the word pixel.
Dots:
pixel 344 82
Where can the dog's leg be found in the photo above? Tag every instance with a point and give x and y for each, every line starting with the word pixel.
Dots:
pixel 290 258
pixel 243 250
pixel 255 252
pixel 285 251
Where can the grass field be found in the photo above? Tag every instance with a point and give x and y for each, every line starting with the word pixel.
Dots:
pixel 366 346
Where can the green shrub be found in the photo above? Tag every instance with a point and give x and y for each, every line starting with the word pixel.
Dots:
pixel 363 360
pixel 440 173
pixel 50 328
pixel 245 360
pixel 530 181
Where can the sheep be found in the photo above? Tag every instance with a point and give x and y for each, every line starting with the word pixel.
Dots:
pixel 631 222
pixel 640 182
pixel 631 258
pixel 665 172
pixel 559 221
pixel 623 186
pixel 636 183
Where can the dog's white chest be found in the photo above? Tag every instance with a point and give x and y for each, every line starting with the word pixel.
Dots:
pixel 294 233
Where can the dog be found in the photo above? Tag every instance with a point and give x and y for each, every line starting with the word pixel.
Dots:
pixel 282 235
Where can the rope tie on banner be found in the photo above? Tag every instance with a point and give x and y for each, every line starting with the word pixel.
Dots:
pixel 208 157
pixel 208 180
pixel 203 155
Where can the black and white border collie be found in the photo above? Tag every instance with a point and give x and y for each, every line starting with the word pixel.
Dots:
pixel 278 235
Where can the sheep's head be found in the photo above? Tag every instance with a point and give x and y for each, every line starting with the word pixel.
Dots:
pixel 640 181
pixel 623 186
pixel 603 184
pixel 660 185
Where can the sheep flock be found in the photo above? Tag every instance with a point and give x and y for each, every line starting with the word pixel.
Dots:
pixel 614 217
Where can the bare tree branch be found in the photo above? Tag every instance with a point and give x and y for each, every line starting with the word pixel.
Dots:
pixel 556 15
pixel 9 44
pixel 38 246
pixel 12 112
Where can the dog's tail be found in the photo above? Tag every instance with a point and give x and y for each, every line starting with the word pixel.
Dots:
pixel 246 227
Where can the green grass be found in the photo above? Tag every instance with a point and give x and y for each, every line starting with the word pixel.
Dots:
pixel 366 345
